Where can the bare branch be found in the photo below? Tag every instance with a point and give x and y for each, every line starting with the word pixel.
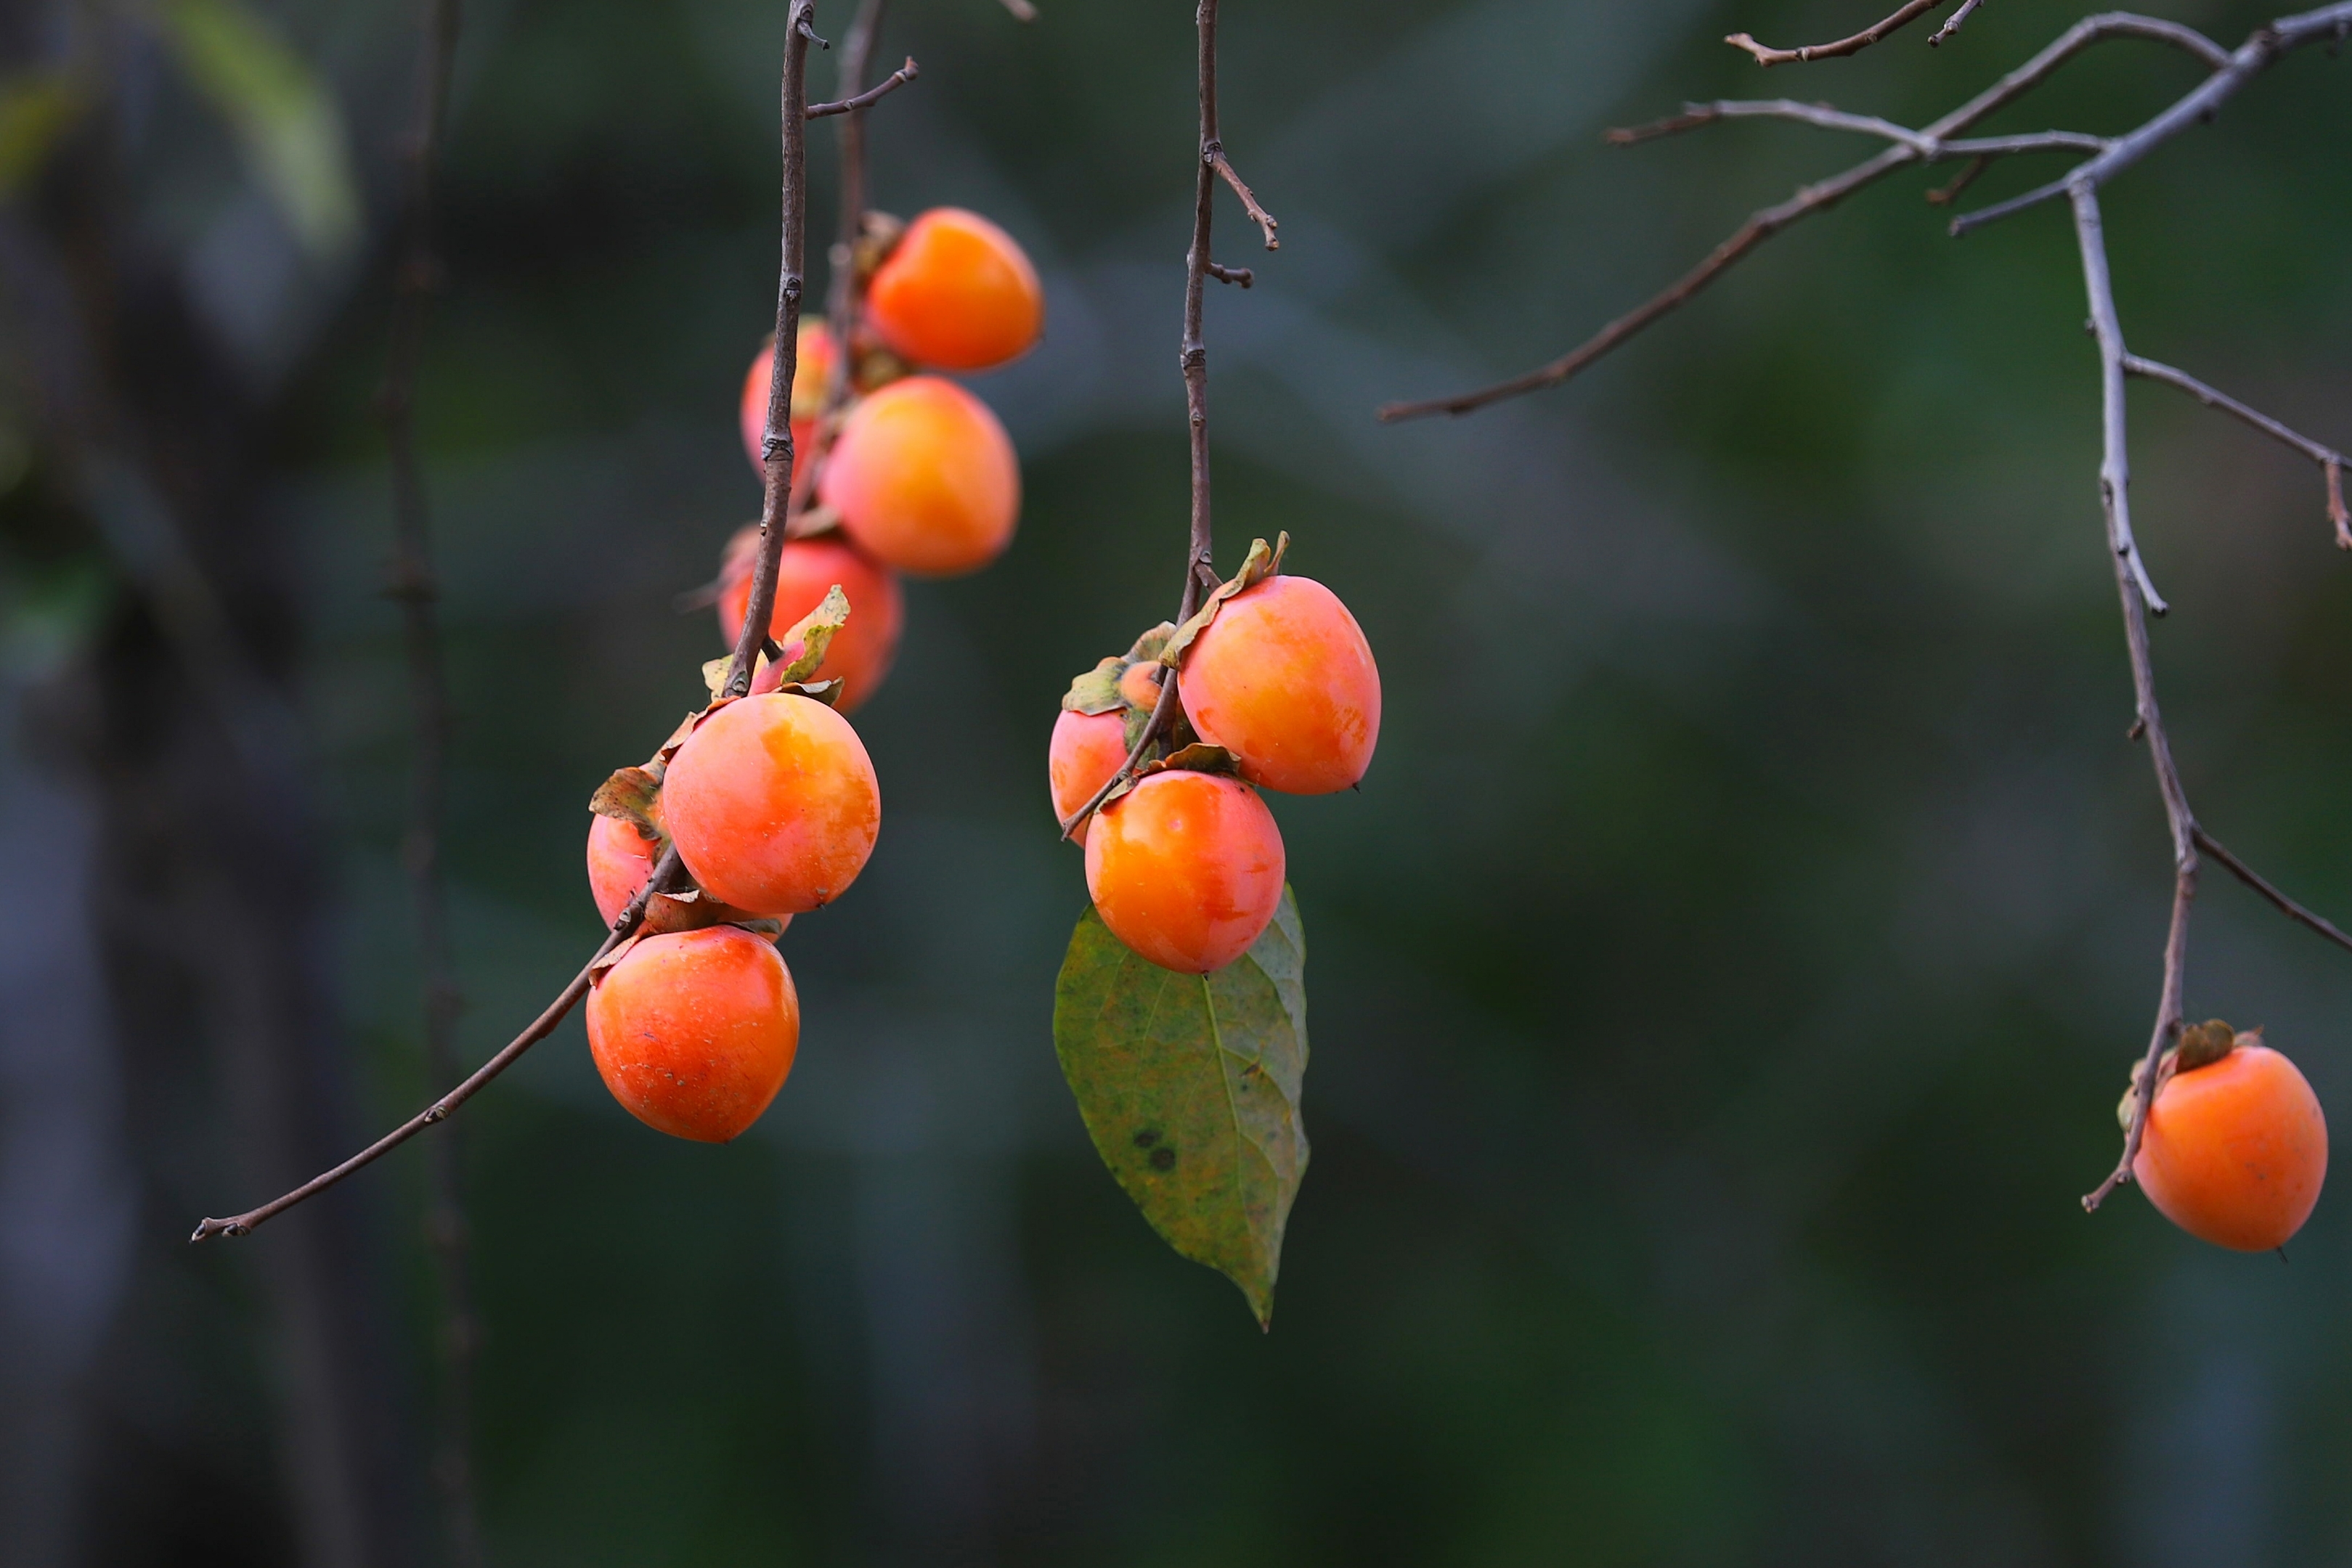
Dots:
pixel 1759 227
pixel 1944 195
pixel 1213 154
pixel 1927 146
pixel 1959 17
pixel 1241 275
pixel 2279 901
pixel 2138 599
pixel 2114 464
pixel 870 96
pixel 1762 225
pixel 2331 462
pixel 2256 54
pixel 1854 45
pixel 666 877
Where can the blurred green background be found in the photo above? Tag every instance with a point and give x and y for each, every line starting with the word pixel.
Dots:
pixel 1719 989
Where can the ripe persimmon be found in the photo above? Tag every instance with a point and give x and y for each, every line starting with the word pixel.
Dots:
pixel 695 1031
pixel 1186 869
pixel 812 376
pixel 620 858
pixel 2235 1150
pixel 924 478
pixel 957 293
pixel 773 804
pixel 862 650
pixel 1085 750
pixel 1283 680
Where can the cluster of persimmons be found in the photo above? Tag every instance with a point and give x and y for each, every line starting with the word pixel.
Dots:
pixel 1278 690
pixel 770 798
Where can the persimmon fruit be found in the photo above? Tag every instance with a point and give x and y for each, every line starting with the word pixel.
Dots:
pixel 2234 1151
pixel 1186 869
pixel 695 1031
pixel 773 804
pixel 924 478
pixel 1284 679
pixel 620 858
pixel 1085 750
pixel 811 374
pixel 957 293
pixel 863 649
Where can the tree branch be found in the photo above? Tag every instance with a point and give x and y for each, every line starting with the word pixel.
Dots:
pixel 2331 462
pixel 871 96
pixel 1761 225
pixel 670 873
pixel 2139 598
pixel 2279 901
pixel 1213 155
pixel 1909 13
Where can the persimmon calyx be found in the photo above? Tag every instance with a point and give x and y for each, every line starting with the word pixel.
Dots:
pixel 1099 690
pixel 2200 1045
pixel 1200 757
pixel 631 794
pixel 1263 561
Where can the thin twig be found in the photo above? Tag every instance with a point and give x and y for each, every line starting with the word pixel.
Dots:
pixel 1241 276
pixel 1944 195
pixel 1213 155
pixel 669 872
pixel 664 879
pixel 871 96
pixel 1765 55
pixel 2331 462
pixel 776 443
pixel 2280 901
pixel 1193 357
pixel 1958 19
pixel 2115 462
pixel 415 272
pixel 2138 599
pixel 1818 197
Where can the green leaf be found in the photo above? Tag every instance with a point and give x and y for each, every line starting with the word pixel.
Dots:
pixel 1190 1086
pixel 289 124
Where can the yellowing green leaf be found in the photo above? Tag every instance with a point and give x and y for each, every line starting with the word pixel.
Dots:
pixel 1190 1087
pixel 288 121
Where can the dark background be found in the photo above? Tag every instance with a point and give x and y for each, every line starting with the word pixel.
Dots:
pixel 1720 987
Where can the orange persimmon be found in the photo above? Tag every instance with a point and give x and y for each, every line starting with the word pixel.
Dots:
pixel 1284 679
pixel 1186 869
pixel 2235 1151
pixel 924 478
pixel 773 804
pixel 957 293
pixel 693 1032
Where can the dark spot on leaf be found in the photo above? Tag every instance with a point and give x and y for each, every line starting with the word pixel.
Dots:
pixel 1163 1159
pixel 1146 1138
